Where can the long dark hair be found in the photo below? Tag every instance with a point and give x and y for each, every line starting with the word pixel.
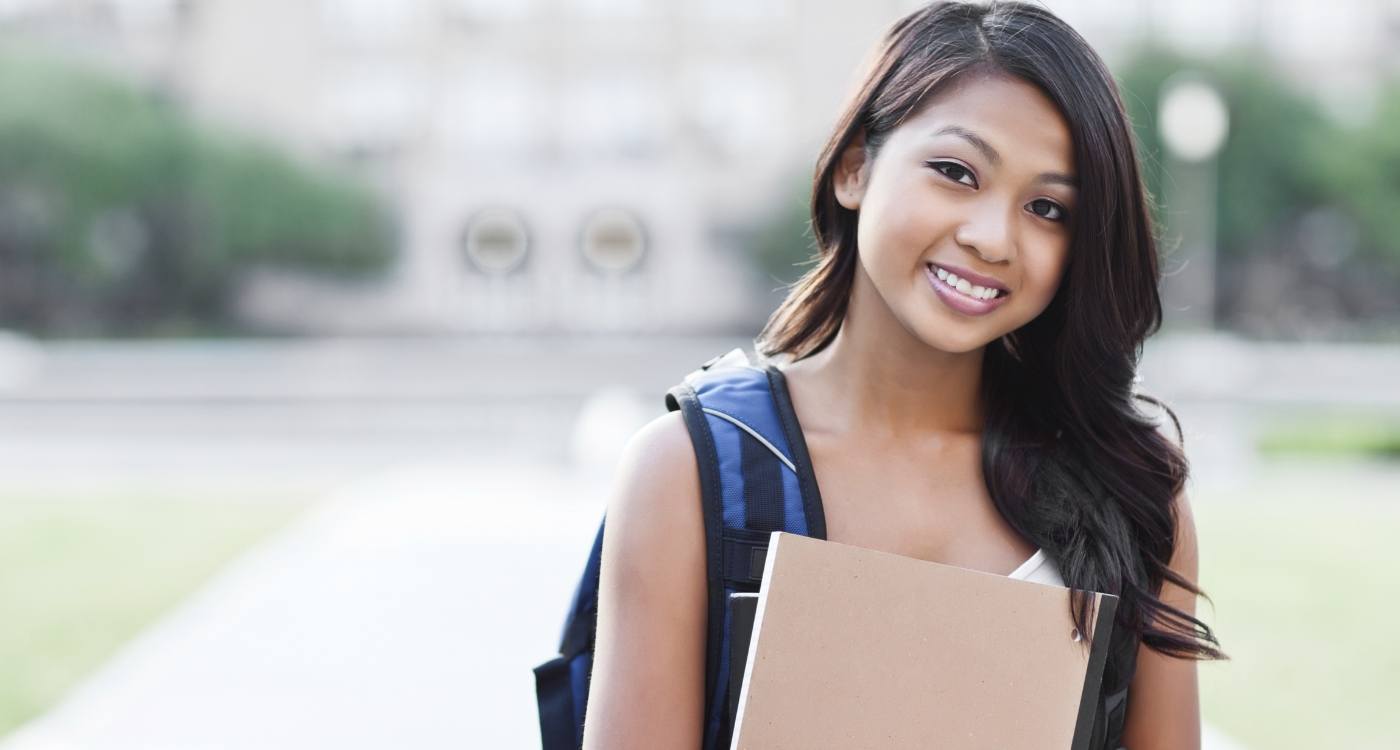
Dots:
pixel 1070 461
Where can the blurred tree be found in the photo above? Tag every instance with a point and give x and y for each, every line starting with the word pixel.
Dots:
pixel 783 246
pixel 119 215
pixel 1360 168
pixel 1268 169
pixel 1308 211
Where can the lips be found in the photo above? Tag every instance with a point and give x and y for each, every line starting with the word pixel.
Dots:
pixel 973 277
pixel 958 301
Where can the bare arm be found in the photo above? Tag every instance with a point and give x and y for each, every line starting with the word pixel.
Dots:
pixel 649 656
pixel 1163 701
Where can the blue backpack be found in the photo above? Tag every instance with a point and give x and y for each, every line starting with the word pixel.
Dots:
pixel 755 478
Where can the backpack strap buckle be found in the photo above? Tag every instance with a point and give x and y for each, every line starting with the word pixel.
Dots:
pixel 745 554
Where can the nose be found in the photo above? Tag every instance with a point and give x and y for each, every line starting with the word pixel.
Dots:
pixel 989 231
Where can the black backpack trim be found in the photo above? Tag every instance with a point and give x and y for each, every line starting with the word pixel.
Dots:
pixel 683 398
pixel 797 444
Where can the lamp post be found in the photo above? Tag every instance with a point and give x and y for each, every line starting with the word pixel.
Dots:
pixel 1193 121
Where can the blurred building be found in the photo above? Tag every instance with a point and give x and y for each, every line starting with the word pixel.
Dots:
pixel 586 165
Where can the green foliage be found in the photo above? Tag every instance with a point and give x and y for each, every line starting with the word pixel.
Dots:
pixel 119 214
pixel 783 246
pixel 1360 169
pixel 1308 208
pixel 1270 164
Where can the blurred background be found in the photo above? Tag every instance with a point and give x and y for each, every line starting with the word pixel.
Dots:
pixel 322 324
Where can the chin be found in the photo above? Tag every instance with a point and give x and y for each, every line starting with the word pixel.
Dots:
pixel 938 336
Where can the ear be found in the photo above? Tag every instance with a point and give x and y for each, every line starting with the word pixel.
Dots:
pixel 852 171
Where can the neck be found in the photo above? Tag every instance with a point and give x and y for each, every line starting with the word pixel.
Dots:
pixel 876 378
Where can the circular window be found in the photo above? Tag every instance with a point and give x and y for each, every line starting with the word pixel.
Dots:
pixel 613 241
pixel 496 241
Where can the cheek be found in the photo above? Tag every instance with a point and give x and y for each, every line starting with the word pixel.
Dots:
pixel 1044 271
pixel 899 222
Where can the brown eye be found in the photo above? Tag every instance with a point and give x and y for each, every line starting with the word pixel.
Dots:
pixel 1048 209
pixel 955 172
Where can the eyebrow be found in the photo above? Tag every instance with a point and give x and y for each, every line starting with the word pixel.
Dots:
pixel 981 144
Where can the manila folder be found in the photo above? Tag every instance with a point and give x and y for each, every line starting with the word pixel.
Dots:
pixel 856 648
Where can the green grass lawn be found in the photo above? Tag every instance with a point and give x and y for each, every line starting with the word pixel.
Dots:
pixel 1332 433
pixel 79 576
pixel 1302 569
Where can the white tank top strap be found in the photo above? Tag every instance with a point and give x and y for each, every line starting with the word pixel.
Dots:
pixel 1040 569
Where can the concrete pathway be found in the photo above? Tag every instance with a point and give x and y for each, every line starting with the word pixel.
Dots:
pixel 404 612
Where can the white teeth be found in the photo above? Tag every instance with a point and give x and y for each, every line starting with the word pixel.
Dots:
pixel 966 287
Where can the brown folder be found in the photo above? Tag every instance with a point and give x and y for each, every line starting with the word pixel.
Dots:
pixel 856 648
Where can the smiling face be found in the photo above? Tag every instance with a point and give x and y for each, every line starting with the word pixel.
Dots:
pixel 979 182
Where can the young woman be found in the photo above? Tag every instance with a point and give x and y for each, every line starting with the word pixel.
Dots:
pixel 966 342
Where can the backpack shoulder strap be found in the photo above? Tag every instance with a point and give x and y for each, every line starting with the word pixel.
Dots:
pixel 755 479
pixel 755 475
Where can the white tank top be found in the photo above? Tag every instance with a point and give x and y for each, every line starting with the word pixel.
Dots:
pixel 1040 569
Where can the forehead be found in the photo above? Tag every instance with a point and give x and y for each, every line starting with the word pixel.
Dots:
pixel 1015 117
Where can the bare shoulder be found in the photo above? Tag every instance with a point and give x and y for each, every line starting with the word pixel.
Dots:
pixel 657 486
pixel 1185 559
pixel 648 669
pixel 1164 699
